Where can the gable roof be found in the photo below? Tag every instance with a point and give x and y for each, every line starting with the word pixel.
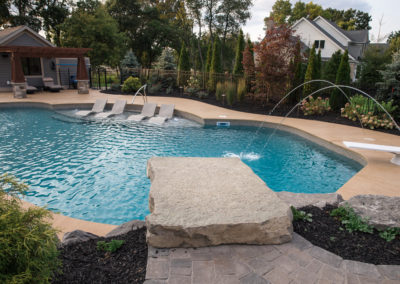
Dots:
pixel 359 36
pixel 12 33
pixel 328 35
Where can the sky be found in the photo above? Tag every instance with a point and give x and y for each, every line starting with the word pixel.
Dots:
pixel 389 9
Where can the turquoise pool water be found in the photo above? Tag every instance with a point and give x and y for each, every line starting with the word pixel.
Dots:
pixel 96 171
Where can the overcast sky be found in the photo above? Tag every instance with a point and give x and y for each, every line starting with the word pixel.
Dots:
pixel 389 9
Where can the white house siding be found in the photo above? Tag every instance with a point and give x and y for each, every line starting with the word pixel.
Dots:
pixel 309 34
pixel 332 31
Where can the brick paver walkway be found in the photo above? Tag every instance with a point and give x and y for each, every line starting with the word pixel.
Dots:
pixel 296 262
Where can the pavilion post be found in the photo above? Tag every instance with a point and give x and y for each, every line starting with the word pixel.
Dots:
pixel 82 76
pixel 17 77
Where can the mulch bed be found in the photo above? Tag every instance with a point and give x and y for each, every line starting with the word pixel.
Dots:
pixel 83 263
pixel 324 231
pixel 249 106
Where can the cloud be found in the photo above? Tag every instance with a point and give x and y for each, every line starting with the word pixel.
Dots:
pixel 344 4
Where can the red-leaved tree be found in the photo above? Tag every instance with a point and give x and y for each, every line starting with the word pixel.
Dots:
pixel 273 56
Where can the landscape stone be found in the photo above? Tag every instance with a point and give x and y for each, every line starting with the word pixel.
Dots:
pixel 77 236
pixel 190 199
pixel 380 211
pixel 126 228
pixel 298 200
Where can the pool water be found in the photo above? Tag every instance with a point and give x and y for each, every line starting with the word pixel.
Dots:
pixel 96 171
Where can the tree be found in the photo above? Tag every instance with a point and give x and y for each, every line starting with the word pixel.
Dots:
pixel 238 68
pixel 195 7
pixel 310 73
pixel 389 87
pixel 209 56
pixel 4 11
pixel 394 41
pixel 183 65
pixel 274 53
pixel 98 31
pixel 375 58
pixel 337 99
pixel 130 60
pixel 166 61
pixel 318 67
pixel 216 65
pixel 53 13
pixel 24 12
pixel 281 10
pixel 231 14
pixel 331 67
pixel 298 77
pixel 248 65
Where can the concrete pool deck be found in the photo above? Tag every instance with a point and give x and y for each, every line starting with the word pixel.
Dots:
pixel 378 176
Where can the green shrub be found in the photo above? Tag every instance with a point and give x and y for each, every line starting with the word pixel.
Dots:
pixel 351 220
pixel 301 215
pixel 230 93
pixel 28 243
pixel 389 234
pixel 202 94
pixel 313 106
pixel 368 112
pixel 111 246
pixel 132 84
pixel 219 91
pixel 241 90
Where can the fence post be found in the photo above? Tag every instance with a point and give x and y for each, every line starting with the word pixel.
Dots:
pixel 105 78
pixel 98 78
pixel 90 78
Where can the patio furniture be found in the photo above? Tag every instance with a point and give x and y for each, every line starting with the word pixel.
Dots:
pixel 166 112
pixel 364 146
pixel 118 108
pixel 48 83
pixel 98 107
pixel 148 110
pixel 30 89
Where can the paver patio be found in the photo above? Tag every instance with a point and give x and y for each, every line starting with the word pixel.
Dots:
pixel 296 262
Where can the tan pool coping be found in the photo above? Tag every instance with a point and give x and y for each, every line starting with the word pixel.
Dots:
pixel 378 176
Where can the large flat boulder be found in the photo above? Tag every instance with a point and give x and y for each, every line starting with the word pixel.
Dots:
pixel 380 211
pixel 197 202
pixel 298 200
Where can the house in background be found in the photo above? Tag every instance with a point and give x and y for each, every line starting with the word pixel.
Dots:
pixel 23 48
pixel 328 37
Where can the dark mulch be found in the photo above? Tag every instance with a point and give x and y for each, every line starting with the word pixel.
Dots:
pixel 83 263
pixel 249 106
pixel 324 231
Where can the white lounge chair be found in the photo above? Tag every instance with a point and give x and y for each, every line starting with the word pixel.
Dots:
pixel 98 107
pixel 166 112
pixel 148 110
pixel 391 149
pixel 118 108
pixel 48 83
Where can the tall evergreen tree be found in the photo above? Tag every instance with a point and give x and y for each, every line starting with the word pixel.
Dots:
pixel 183 65
pixel 337 99
pixel 318 66
pixel 209 56
pixel 332 66
pixel 310 73
pixel 216 66
pixel 298 77
pixel 238 68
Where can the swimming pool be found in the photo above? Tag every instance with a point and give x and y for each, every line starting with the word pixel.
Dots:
pixel 96 171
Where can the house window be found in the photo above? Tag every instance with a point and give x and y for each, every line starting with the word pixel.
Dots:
pixel 31 66
pixel 319 44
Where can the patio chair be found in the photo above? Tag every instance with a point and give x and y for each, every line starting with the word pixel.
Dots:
pixel 148 110
pixel 166 112
pixel 98 107
pixel 118 108
pixel 48 83
pixel 30 89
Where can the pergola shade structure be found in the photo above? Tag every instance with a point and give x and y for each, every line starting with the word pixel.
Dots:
pixel 17 74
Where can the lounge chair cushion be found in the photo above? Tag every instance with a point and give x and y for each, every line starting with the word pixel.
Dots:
pixel 148 110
